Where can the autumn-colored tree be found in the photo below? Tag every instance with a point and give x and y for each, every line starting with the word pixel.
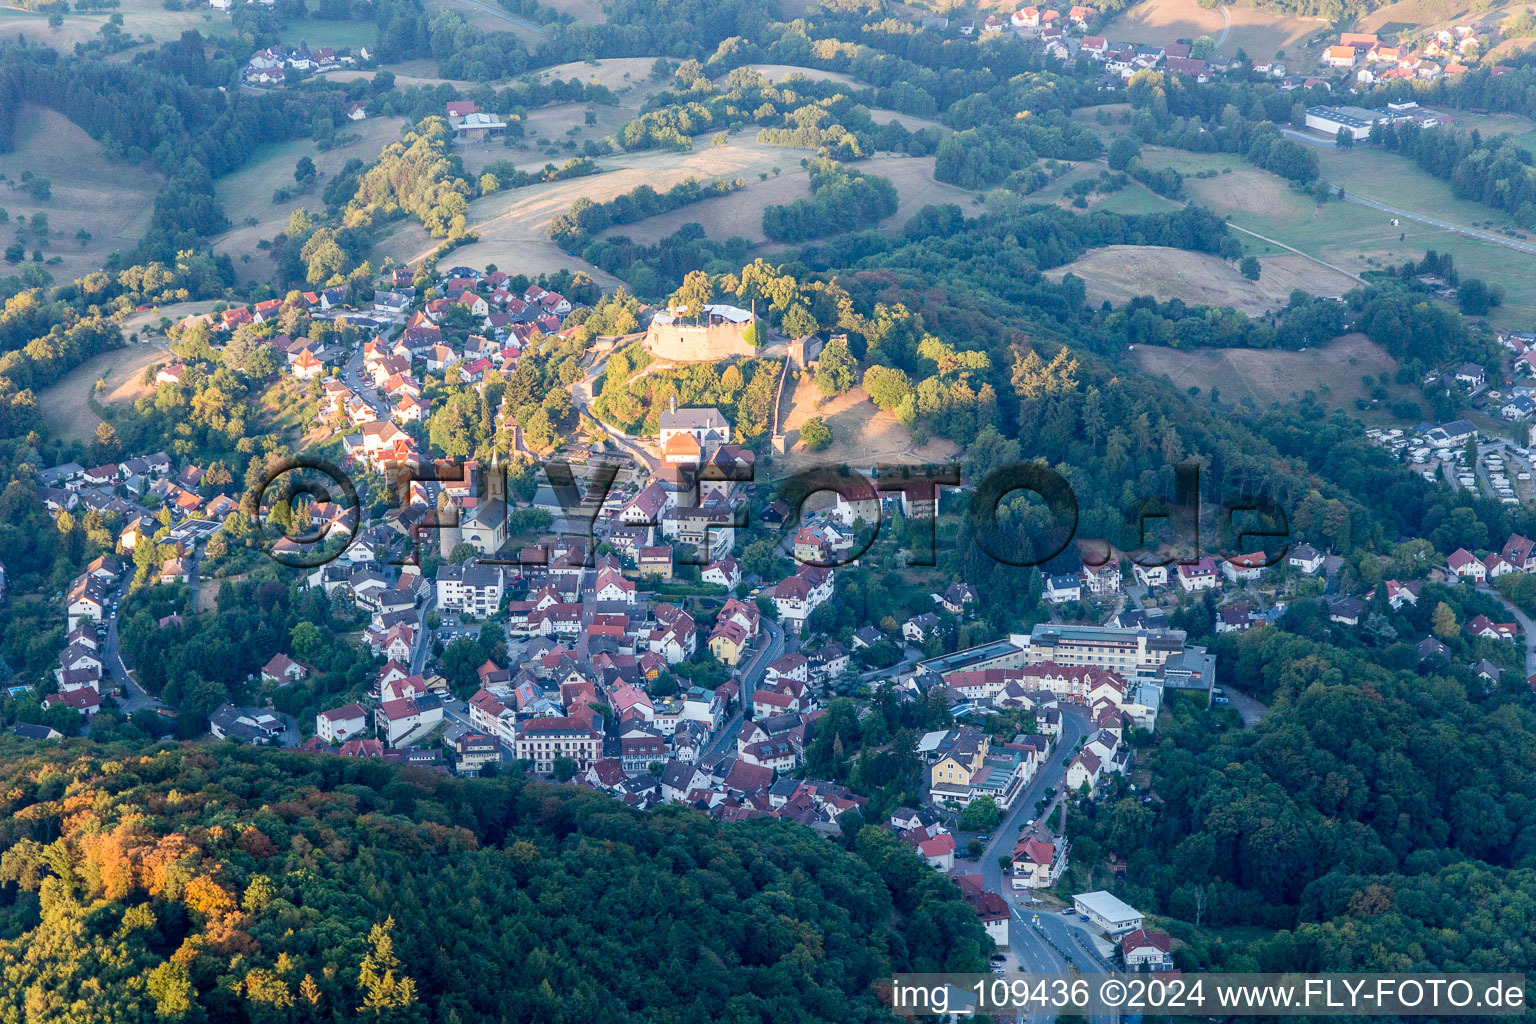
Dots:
pixel 1445 625
pixel 383 989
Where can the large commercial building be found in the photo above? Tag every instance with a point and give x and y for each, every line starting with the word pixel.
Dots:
pixel 1355 120
pixel 1107 911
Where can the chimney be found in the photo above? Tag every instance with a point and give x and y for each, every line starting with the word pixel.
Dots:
pixel 674 403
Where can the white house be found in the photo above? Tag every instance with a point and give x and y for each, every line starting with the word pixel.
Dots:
pixel 1147 951
pixel 341 724
pixel 724 573
pixel 1197 576
pixel 1465 564
pixel 1062 588
pixel 1306 558
pixel 1243 568
pixel 283 669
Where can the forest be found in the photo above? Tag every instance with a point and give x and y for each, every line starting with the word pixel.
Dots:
pixel 842 199
pixel 244 885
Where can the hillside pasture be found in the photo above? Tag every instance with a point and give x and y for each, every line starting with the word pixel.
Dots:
pixel 916 186
pixel 1416 16
pixel 1257 378
pixel 112 200
pixel 1119 273
pixel 741 213
pixel 246 193
pixel 140 17
pixel 1353 238
pixel 66 405
pixel 513 225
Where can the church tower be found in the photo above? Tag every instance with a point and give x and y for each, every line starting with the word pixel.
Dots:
pixel 497 485
pixel 447 523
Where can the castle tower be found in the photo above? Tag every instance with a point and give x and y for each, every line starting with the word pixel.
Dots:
pixel 448 524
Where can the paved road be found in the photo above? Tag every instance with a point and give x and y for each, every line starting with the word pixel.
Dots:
pixel 1037 936
pixel 1526 625
pixel 1074 726
pixel 423 636
pixel 352 377
pixel 1486 236
pixel 767 653
pixel 1278 244
pixel 726 738
pixel 507 16
pixel 581 396
pixel 134 698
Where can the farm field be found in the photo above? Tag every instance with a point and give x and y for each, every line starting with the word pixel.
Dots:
pixel 1133 200
pixel 1259 32
pixel 1255 378
pixel 1119 273
pixel 487 21
pixel 915 186
pixel 1354 238
pixel 740 213
pixel 407 73
pixel 554 134
pixel 65 406
pixel 112 200
pixel 246 194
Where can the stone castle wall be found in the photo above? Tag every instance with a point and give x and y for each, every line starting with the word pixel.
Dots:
pixel 686 343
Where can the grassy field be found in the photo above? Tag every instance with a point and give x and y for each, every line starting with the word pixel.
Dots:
pixel 1417 16
pixel 140 17
pixel 1394 181
pixel 1256 378
pixel 590 11
pixel 740 213
pixel 1259 32
pixel 112 201
pixel 65 405
pixel 1353 238
pixel 1119 273
pixel 315 32
pixel 513 225
pixel 247 193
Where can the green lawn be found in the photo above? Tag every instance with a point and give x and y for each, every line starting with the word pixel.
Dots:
pixel 1133 199
pixel 1396 181
pixel 247 192
pixel 342 35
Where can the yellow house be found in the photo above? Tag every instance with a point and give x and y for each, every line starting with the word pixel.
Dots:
pixel 728 642
pixel 951 775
